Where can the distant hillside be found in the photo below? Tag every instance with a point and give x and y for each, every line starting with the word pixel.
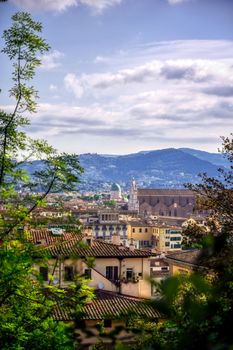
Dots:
pixel 166 168
pixel 214 158
pixel 169 168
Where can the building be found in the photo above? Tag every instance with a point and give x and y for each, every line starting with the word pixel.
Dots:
pixel 162 238
pixel 133 203
pixel 107 224
pixel 110 311
pixel 142 232
pixel 159 272
pixel 115 192
pixel 114 268
pixel 167 238
pixel 166 202
pixel 184 262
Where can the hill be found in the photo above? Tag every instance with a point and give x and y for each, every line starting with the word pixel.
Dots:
pixel 166 168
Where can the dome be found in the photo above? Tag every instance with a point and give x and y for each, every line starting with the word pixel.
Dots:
pixel 116 188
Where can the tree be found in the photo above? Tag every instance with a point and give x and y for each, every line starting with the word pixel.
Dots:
pixel 199 306
pixel 25 310
pixel 193 233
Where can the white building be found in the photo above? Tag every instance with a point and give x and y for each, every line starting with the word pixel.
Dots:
pixel 133 203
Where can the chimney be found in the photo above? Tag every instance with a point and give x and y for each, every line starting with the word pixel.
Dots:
pixel 131 246
pixel 116 238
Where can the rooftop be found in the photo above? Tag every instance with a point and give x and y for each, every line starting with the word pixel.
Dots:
pixel 190 257
pixel 71 244
pixel 97 249
pixel 165 192
pixel 110 305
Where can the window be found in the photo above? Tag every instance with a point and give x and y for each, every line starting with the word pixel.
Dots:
pixel 87 273
pixel 133 230
pixel 177 245
pixel 107 323
pixel 112 272
pixel 44 271
pixel 69 273
pixel 146 230
pixel 129 273
pixel 88 241
pixel 167 244
pixel 140 243
pixel 140 230
pixel 175 238
pixel 146 243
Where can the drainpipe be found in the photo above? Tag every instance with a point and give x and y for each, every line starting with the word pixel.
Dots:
pixel 120 269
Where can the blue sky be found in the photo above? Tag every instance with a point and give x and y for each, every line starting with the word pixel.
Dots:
pixel 129 75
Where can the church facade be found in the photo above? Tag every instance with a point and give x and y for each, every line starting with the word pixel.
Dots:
pixel 166 202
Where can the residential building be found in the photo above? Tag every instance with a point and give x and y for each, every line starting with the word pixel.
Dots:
pixel 184 262
pixel 110 311
pixel 115 268
pixel 142 232
pixel 107 225
pixel 167 238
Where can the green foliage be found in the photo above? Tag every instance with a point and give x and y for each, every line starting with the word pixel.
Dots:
pixel 26 306
pixel 193 234
pixel 198 307
pixel 110 203
pixel 25 313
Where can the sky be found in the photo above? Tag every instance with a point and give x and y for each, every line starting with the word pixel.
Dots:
pixel 124 76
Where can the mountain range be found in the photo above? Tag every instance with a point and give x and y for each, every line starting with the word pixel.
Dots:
pixel 165 168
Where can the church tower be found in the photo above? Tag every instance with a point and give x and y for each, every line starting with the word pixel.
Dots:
pixel 133 203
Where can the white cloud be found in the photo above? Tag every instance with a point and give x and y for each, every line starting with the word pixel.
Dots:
pixel 175 2
pixel 52 87
pixel 184 71
pixel 140 102
pixel 101 59
pixel 72 83
pixel 51 60
pixel 98 6
pixel 45 5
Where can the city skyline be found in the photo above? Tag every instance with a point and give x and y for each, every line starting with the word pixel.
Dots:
pixel 129 75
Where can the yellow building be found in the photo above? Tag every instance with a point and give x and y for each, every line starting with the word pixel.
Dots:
pixel 141 232
pixel 115 268
pixel 111 311
pixel 184 262
pixel 162 238
pixel 167 238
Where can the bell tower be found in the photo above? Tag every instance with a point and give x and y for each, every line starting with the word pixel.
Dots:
pixel 133 203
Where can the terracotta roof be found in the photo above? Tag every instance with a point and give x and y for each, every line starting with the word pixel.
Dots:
pixel 164 192
pixel 45 237
pixel 140 224
pixel 71 244
pixel 109 305
pixel 190 257
pixel 98 249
